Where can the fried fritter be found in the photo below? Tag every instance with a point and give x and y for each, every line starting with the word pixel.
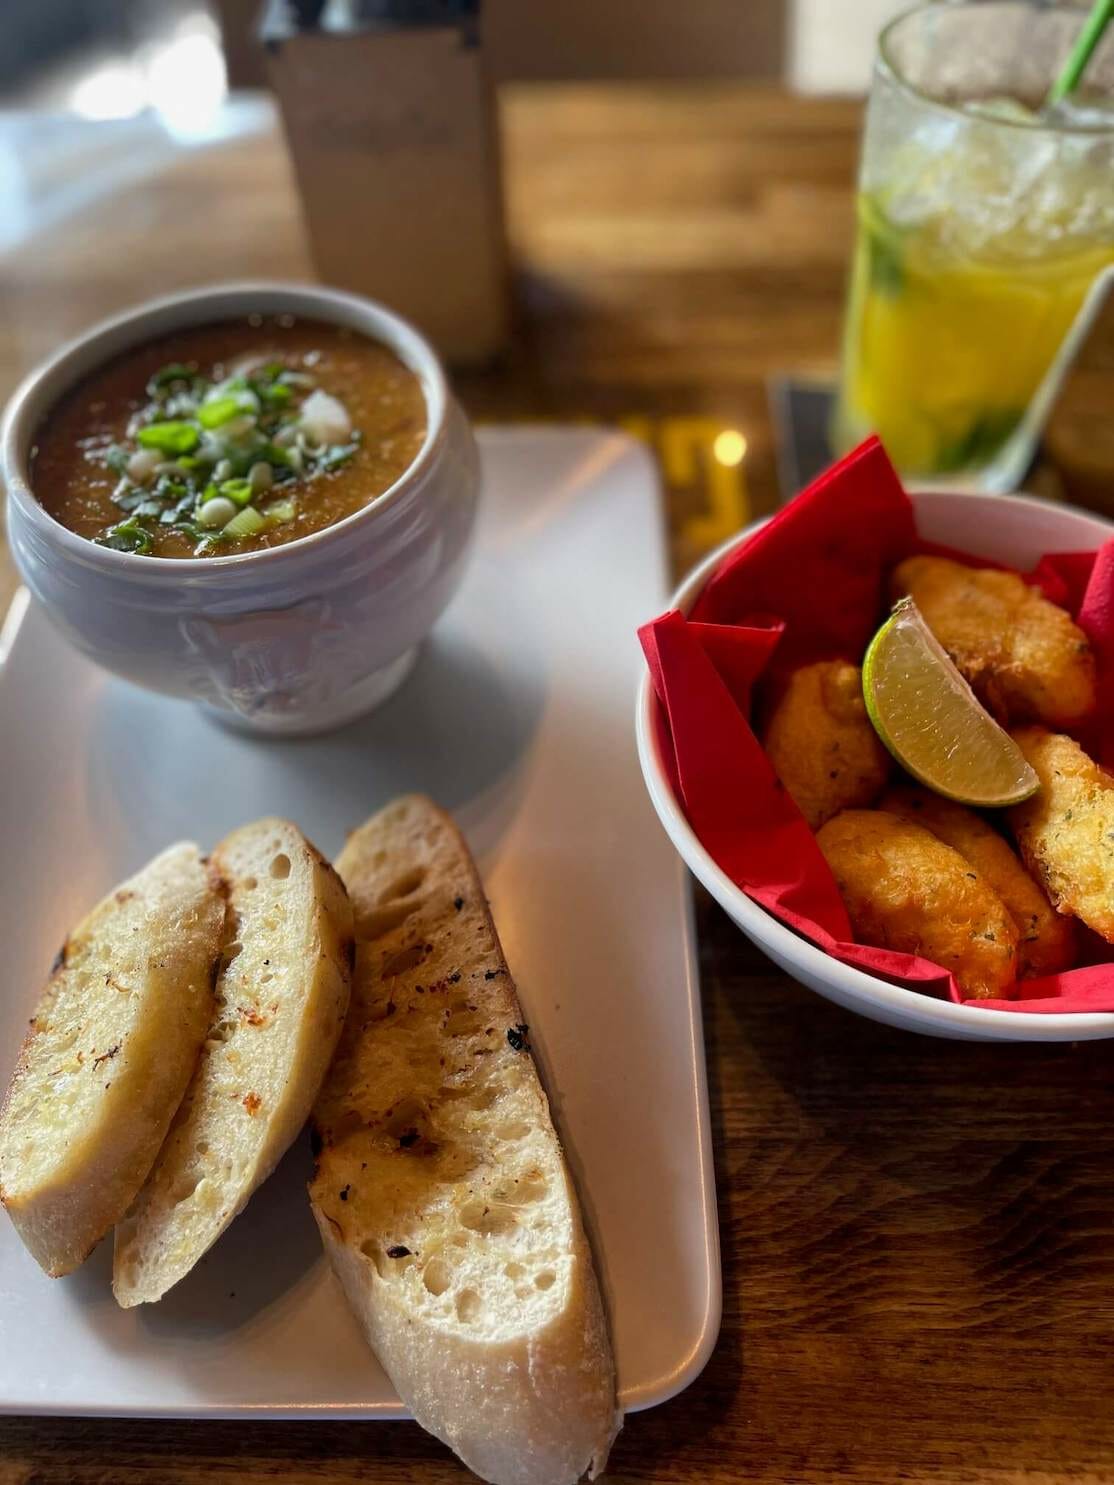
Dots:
pixel 1024 657
pixel 1066 831
pixel 821 744
pixel 1045 939
pixel 904 889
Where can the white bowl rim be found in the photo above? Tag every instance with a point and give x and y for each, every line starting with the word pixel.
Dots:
pixel 855 984
pixel 140 323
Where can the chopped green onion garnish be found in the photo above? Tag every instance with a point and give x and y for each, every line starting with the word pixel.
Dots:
pixel 180 405
pixel 238 491
pixel 232 435
pixel 245 523
pixel 215 514
pixel 169 438
pixel 238 441
pixel 221 410
pixel 277 394
pixel 279 511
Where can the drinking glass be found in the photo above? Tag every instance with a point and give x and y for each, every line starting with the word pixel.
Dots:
pixel 985 236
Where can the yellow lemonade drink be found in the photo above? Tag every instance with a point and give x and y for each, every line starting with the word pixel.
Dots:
pixel 982 226
pixel 946 349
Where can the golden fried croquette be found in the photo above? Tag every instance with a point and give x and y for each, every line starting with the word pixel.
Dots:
pixel 821 744
pixel 1023 656
pixel 904 889
pixel 1066 830
pixel 1045 939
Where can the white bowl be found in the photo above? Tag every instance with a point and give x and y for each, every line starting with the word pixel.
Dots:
pixel 1013 529
pixel 292 639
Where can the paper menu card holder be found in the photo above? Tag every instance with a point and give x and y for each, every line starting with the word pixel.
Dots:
pixel 391 127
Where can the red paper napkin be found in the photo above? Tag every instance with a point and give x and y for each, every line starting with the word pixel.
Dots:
pixel 810 585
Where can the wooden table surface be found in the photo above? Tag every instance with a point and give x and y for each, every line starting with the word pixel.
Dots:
pixel 917 1235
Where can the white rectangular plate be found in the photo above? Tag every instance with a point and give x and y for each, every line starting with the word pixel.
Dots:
pixel 518 718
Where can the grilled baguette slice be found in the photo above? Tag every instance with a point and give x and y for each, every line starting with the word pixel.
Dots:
pixel 112 1045
pixel 441 1190
pixel 281 998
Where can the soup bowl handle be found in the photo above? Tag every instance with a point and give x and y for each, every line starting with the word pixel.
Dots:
pixel 266 667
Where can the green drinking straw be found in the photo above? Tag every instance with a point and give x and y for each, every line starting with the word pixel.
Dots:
pixel 1080 54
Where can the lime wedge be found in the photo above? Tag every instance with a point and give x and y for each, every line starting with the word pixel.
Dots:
pixel 929 718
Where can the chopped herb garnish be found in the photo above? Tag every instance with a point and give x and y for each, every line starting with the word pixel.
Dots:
pixel 233 440
pixel 196 532
pixel 339 454
pixel 169 488
pixel 126 536
pixel 168 376
pixel 129 497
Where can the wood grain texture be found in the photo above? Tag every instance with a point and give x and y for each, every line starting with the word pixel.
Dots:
pixel 918 1264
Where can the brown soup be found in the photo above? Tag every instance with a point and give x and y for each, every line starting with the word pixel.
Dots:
pixel 229 438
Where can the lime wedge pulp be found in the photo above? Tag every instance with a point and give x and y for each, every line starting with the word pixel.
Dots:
pixel 932 722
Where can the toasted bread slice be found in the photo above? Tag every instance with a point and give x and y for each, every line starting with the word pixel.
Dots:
pixel 112 1045
pixel 281 998
pixel 441 1190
